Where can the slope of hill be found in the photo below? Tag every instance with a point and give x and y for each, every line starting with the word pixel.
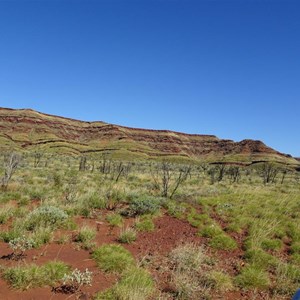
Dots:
pixel 26 129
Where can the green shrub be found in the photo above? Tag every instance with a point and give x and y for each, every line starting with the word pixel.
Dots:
pixel 145 224
pixel 293 231
pixel 195 219
pixel 260 258
pixel 20 244
pixel 86 234
pixel 175 209
pixel 127 235
pixel 223 242
pixel 7 196
pixel 295 258
pixel 77 279
pixel 143 205
pixel 113 258
pixel 135 284
pixel 220 281
pixel 95 201
pixel 106 295
pixel 5 213
pixel 234 227
pixel 7 236
pixel 288 272
pixel 114 219
pixel 295 248
pixel 45 216
pixel 29 276
pixel 188 257
pixel 211 231
pixel 271 244
pixel 252 277
pixel 41 236
pixel 36 194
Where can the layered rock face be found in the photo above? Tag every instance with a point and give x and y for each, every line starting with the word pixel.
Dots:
pixel 26 129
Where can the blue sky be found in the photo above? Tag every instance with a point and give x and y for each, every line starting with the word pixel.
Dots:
pixel 229 68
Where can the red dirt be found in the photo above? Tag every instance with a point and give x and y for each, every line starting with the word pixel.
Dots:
pixel 150 247
pixel 169 232
pixel 76 258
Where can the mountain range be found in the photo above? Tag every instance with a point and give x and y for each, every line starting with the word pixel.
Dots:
pixel 29 130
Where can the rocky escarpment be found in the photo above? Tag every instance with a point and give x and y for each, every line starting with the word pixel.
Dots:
pixel 27 129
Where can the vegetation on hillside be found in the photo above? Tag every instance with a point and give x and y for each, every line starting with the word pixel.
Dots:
pixel 245 219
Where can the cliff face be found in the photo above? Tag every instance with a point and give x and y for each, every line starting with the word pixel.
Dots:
pixel 27 129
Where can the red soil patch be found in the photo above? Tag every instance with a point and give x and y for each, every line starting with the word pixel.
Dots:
pixel 68 253
pixel 151 246
pixel 169 232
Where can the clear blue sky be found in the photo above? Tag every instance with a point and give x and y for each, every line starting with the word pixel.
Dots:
pixel 229 68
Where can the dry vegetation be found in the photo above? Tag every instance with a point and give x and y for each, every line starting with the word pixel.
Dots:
pixel 104 229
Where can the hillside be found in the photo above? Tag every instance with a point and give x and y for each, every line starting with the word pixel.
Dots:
pixel 27 130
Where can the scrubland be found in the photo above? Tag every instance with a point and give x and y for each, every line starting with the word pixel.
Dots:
pixel 104 229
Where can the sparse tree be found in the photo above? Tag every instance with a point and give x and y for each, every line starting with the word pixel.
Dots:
pixel 11 163
pixel 234 173
pixel 82 163
pixel 37 156
pixel 221 169
pixel 268 172
pixel 167 179
pixel 284 172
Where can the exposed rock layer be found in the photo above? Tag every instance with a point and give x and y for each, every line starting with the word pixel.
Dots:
pixel 28 129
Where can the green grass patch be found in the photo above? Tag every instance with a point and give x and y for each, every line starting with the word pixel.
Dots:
pixel 252 277
pixel 30 276
pixel 223 242
pixel 113 258
pixel 135 284
pixel 114 219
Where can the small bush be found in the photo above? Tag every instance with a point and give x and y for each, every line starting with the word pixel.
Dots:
pixel 220 281
pixel 174 209
pixel 295 258
pixel 20 244
pixel 135 284
pixel 270 244
pixel 45 216
pixel 41 236
pixel 7 196
pixel 106 295
pixel 7 236
pixel 95 201
pixel 295 248
pixel 113 258
pixel 223 242
pixel 5 213
pixel 24 277
pixel 211 231
pixel 114 219
pixel 288 272
pixel 143 205
pixel 86 234
pixel 252 278
pixel 72 282
pixel 260 258
pixel 145 224
pixel 188 257
pixel 195 219
pixel 127 235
